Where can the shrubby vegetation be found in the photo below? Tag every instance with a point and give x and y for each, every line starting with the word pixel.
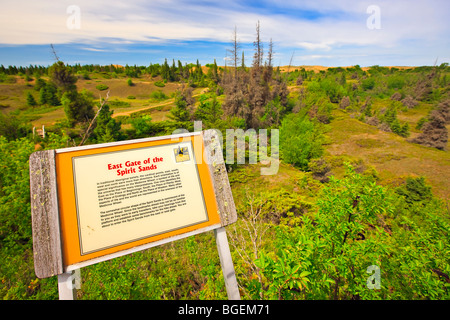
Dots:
pixel 311 232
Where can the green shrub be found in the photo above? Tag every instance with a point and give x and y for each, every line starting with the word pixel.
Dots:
pixel 415 190
pixel 160 84
pixel 328 256
pixel 158 95
pixel 395 82
pixel 101 87
pixel 334 90
pixel 368 84
pixel 300 140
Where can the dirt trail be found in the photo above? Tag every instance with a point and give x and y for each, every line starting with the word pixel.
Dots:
pixel 127 113
pixel 165 103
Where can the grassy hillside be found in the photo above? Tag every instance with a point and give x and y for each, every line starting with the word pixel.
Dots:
pixel 391 155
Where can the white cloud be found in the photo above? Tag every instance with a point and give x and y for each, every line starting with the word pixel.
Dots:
pixel 44 21
pixel 314 45
pixel 404 24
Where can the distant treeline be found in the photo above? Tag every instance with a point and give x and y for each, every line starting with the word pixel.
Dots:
pixel 170 71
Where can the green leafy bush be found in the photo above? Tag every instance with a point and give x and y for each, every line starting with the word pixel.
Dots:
pixel 368 83
pixel 158 95
pixel 415 190
pixel 300 140
pixel 358 225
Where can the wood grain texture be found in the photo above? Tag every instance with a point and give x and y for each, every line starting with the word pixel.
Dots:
pixel 214 158
pixel 45 215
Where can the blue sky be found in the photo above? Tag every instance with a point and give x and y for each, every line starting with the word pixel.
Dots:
pixel 329 33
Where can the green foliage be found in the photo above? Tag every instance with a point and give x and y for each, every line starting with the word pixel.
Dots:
pixel 390 117
pixel 276 206
pixel 299 239
pixel 415 190
pixel 159 84
pixel 48 94
pixel 7 78
pixel 55 141
pixel 85 75
pixel 62 76
pixel 78 106
pixel 326 257
pixel 116 103
pixel 368 83
pixel 15 197
pixel 158 95
pixel 107 129
pixel 181 111
pixel 30 100
pixel 395 82
pixel 273 113
pixel 300 140
pixel 11 127
pixel 130 82
pixel 16 262
pixel 421 122
pixel 142 126
pixel 209 111
pixel 40 83
pixel 333 90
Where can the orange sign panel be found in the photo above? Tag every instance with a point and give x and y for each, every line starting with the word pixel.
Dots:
pixel 118 196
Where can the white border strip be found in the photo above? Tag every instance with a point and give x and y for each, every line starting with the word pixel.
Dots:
pixel 138 248
pixel 125 142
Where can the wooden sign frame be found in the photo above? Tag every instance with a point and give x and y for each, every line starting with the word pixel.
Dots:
pixel 57 217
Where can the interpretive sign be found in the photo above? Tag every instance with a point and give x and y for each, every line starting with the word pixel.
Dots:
pixel 97 202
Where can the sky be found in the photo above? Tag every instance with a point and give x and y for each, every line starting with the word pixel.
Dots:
pixel 304 32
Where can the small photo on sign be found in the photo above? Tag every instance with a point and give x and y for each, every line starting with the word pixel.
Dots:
pixel 181 154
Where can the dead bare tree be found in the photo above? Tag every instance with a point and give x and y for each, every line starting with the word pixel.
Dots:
pixel 259 51
pixel 54 52
pixel 247 238
pixel 234 51
pixel 290 62
pixel 434 132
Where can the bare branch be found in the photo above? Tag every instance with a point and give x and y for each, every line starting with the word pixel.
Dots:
pixel 290 62
pixel 88 133
pixel 54 52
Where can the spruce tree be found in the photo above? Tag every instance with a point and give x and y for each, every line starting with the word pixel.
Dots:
pixel 30 100
pixel 107 128
pixel 183 103
pixel 62 76
pixel 42 96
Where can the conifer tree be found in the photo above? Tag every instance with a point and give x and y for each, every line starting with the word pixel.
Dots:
pixel 183 104
pixel 30 100
pixel 107 128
